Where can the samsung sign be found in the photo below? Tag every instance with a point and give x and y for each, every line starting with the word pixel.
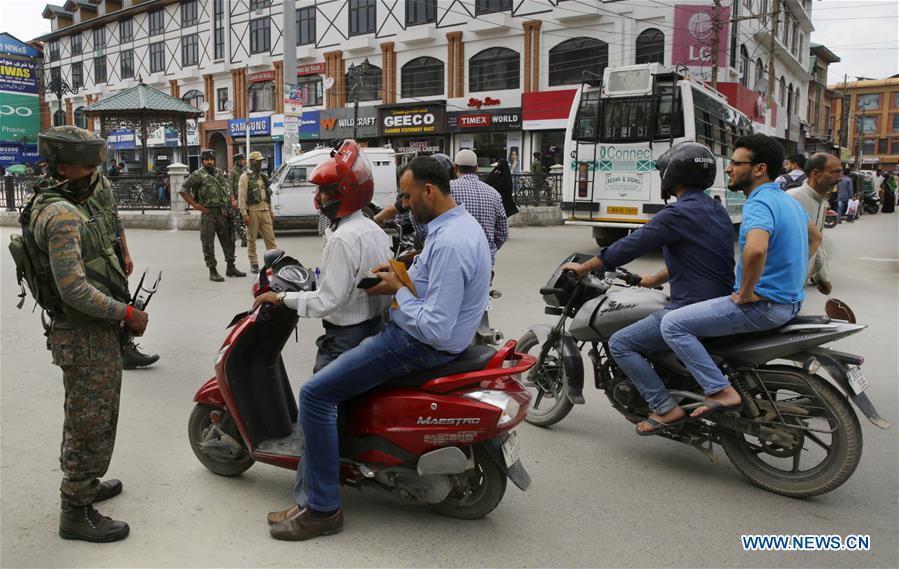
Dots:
pixel 259 126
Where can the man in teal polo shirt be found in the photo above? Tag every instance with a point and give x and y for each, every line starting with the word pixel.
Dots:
pixel 776 241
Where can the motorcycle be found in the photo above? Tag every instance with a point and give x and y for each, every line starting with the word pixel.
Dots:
pixel 444 436
pixel 830 218
pixel 796 433
pixel 871 202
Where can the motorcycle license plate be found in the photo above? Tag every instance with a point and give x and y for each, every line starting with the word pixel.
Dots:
pixel 511 449
pixel 857 380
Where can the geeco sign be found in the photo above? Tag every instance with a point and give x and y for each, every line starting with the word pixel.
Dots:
pixel 415 119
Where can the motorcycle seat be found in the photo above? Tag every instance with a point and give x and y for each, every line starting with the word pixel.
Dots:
pixel 809 319
pixel 474 358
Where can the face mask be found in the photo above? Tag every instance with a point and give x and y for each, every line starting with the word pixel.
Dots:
pixel 255 166
pixel 329 209
pixel 210 169
pixel 81 189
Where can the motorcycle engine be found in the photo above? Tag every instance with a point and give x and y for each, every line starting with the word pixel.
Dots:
pixel 624 396
pixel 430 489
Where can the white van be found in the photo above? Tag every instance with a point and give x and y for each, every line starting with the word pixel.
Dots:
pixel 292 195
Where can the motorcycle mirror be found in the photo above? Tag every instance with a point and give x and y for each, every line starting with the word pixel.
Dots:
pixel 839 310
pixel 271 257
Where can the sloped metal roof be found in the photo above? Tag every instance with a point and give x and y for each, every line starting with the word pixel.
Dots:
pixel 142 98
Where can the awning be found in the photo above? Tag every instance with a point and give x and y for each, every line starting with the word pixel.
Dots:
pixel 546 110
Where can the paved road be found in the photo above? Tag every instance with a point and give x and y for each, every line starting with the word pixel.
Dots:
pixel 601 496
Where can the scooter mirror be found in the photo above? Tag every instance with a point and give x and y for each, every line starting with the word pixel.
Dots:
pixel 271 257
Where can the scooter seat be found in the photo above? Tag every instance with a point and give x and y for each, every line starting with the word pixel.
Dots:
pixel 474 358
pixel 809 319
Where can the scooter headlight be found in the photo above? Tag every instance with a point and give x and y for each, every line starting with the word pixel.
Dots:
pixel 507 405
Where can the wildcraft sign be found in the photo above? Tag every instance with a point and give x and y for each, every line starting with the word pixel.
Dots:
pixel 338 123
pixel 411 119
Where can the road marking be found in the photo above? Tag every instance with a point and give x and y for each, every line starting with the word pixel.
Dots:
pixel 876 259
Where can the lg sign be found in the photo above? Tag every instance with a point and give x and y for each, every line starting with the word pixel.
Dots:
pixel 409 120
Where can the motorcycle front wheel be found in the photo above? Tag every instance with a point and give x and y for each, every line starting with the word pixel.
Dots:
pixel 546 382
pixel 872 208
pixel 479 491
pixel 826 436
pixel 198 429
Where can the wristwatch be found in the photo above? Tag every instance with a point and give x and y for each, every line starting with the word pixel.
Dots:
pixel 280 296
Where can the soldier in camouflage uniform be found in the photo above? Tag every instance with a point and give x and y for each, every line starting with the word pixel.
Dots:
pixel 255 202
pixel 82 286
pixel 240 163
pixel 207 191
pixel 103 207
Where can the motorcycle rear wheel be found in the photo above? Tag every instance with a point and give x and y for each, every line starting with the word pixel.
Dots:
pixel 487 486
pixel 197 428
pixel 872 208
pixel 550 371
pixel 842 455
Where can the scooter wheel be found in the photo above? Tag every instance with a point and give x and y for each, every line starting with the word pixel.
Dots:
pixel 198 427
pixel 481 490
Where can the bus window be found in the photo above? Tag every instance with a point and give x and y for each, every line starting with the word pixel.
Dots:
pixel 704 128
pixel 669 113
pixel 626 119
pixel 587 120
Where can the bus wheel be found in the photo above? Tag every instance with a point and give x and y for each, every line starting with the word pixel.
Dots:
pixel 605 236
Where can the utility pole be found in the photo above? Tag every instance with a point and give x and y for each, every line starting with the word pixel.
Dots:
pixel 844 115
pixel 716 28
pixel 775 9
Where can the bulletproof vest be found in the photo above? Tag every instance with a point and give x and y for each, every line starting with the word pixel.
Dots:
pixel 103 209
pixel 254 194
pixel 102 268
pixel 213 191
pixel 234 179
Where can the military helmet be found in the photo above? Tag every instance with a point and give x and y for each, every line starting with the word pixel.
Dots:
pixel 687 164
pixel 239 156
pixel 71 145
pixel 207 154
pixel 256 155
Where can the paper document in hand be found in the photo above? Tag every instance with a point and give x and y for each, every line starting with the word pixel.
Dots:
pixel 400 269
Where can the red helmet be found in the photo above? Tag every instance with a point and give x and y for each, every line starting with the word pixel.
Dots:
pixel 348 172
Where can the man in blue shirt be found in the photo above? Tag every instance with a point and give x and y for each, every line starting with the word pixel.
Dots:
pixel 695 234
pixel 429 328
pixel 776 241
pixel 845 190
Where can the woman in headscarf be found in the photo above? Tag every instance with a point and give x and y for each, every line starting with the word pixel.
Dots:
pixel 889 193
pixel 501 180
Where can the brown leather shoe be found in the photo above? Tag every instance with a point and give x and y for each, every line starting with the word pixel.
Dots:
pixel 278 517
pixel 303 526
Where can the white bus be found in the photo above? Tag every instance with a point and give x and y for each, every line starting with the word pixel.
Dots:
pixel 617 129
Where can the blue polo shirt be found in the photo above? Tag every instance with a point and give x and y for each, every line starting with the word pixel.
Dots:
pixel 696 237
pixel 786 265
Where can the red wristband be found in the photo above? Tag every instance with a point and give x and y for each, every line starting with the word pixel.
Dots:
pixel 129 310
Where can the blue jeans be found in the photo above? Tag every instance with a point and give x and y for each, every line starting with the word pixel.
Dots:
pixel 389 354
pixel 628 347
pixel 841 209
pixel 683 327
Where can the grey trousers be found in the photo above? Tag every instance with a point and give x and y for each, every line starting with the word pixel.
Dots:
pixel 339 339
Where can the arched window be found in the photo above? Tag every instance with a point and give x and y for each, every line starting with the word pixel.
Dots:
pixel 262 96
pixel 744 63
pixel 651 46
pixel 421 77
pixel 194 98
pixel 790 100
pixel 569 59
pixel 369 77
pixel 80 119
pixel 759 76
pixel 783 93
pixel 494 69
pixel 59 118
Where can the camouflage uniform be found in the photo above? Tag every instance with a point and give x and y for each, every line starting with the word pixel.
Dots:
pixel 239 227
pixel 92 297
pixel 210 190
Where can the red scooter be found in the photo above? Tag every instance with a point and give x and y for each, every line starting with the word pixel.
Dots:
pixel 443 436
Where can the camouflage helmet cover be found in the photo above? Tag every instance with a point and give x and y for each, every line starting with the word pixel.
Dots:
pixel 207 154
pixel 71 145
pixel 256 155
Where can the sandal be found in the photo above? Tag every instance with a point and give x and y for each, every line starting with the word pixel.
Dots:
pixel 715 407
pixel 658 426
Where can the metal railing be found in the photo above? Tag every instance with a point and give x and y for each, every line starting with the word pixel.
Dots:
pixel 534 189
pixel 141 192
pixel 16 191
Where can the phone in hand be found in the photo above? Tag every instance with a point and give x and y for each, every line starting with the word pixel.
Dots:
pixel 369 281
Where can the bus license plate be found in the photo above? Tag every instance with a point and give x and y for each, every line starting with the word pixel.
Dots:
pixel 511 449
pixel 622 210
pixel 857 380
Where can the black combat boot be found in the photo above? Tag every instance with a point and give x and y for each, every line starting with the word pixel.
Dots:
pixel 233 272
pixel 214 276
pixel 86 523
pixel 243 242
pixel 254 268
pixel 133 358
pixel 108 489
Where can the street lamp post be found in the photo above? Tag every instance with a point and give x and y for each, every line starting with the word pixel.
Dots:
pixel 359 73
pixel 58 86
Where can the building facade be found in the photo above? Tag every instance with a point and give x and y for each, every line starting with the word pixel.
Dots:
pixel 865 116
pixel 495 75
pixel 820 133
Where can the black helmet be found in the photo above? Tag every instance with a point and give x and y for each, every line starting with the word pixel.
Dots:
pixel 687 164
pixel 71 145
pixel 207 154
pixel 239 156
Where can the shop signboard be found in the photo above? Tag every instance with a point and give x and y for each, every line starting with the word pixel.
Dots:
pixel 259 126
pixel 121 139
pixel 694 27
pixel 421 146
pixel 416 119
pixel 164 136
pixel 18 76
pixel 484 120
pixel 20 116
pixel 12 153
pixel 261 77
pixel 13 46
pixel 309 125
pixel 310 68
pixel 193 133
pixel 338 123
pixel 547 110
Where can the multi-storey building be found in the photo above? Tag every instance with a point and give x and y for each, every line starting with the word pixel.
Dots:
pixel 820 134
pixel 865 116
pixel 496 75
